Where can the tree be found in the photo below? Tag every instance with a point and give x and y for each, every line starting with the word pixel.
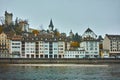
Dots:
pixel 76 38
pixel 56 33
pixel 35 32
pixel 74 44
pixel 2 20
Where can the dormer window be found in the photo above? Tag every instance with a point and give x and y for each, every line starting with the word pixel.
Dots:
pixel 36 38
pixel 59 38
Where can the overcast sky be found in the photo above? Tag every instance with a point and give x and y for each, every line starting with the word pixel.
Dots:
pixel 102 16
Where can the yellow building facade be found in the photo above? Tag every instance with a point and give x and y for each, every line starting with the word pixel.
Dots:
pixel 4 45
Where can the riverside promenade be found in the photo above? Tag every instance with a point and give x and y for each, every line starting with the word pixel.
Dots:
pixel 59 61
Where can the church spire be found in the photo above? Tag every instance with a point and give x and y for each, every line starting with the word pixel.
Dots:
pixel 51 26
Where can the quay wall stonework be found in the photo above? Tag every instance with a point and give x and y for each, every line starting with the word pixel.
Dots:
pixel 57 61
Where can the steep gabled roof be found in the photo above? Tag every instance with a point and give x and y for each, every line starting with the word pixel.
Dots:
pixel 88 30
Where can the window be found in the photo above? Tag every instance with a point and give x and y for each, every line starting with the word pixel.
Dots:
pixel 46 45
pixel 91 48
pixel 60 46
pixel 55 48
pixel 95 52
pixel 40 48
pixel 91 44
pixel 46 48
pixel 87 48
pixel 41 45
pixel 95 44
pixel 46 51
pixel 36 38
pixel 87 44
pixel 46 56
pixel 95 48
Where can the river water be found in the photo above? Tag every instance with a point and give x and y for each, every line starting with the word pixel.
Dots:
pixel 109 72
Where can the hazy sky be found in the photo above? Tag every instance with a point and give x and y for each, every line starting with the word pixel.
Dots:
pixel 102 16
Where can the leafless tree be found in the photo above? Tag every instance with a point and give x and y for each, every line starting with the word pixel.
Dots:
pixel 2 20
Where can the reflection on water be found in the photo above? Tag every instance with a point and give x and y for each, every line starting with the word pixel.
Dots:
pixel 112 72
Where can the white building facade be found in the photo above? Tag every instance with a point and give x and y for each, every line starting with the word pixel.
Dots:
pixel 90 43
pixel 15 48
pixel 79 53
pixel 91 48
pixel 30 49
pixel 38 47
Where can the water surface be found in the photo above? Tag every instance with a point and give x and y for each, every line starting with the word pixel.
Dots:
pixel 110 72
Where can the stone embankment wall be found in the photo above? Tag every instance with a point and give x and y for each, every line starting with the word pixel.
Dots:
pixel 58 61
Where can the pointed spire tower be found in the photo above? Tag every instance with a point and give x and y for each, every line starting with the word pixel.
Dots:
pixel 51 26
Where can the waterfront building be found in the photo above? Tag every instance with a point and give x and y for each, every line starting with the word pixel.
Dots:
pixel 112 44
pixel 90 43
pixel 79 53
pixel 43 47
pixel 15 46
pixel 4 45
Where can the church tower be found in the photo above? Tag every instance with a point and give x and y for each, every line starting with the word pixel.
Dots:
pixel 51 26
pixel 71 34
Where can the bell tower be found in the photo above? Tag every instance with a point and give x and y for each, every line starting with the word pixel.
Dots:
pixel 51 26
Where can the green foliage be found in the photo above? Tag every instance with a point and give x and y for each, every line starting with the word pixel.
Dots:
pixel 76 38
pixel 56 33
pixel 18 30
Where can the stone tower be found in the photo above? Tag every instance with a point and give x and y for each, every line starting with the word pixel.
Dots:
pixel 71 34
pixel 8 18
pixel 24 25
